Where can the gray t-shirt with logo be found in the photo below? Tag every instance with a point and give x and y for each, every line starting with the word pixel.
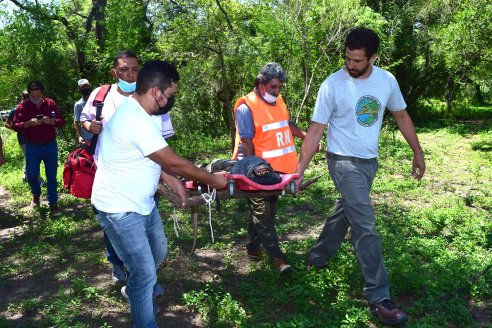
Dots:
pixel 353 110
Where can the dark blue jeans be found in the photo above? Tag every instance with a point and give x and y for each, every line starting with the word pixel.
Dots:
pixel 48 154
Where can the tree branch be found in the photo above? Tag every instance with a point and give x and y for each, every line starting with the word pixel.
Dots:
pixel 225 14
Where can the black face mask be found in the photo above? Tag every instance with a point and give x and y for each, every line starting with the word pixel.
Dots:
pixel 85 91
pixel 167 107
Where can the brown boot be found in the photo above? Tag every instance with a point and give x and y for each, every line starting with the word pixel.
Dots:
pixel 54 209
pixel 388 313
pixel 255 255
pixel 35 202
pixel 281 265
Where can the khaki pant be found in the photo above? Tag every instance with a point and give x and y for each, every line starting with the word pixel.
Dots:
pixel 261 229
pixel 353 209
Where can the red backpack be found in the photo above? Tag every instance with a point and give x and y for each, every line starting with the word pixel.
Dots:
pixel 79 169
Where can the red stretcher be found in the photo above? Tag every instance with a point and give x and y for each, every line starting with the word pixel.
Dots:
pixel 243 183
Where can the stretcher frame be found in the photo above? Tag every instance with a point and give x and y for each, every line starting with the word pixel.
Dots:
pixel 238 187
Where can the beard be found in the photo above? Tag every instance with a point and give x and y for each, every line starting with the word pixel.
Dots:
pixel 355 73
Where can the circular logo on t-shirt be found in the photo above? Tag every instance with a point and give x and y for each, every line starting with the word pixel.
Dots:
pixel 367 110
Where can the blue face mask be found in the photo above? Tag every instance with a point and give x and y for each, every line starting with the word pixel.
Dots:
pixel 127 87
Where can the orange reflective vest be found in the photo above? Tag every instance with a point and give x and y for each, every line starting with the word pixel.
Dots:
pixel 273 140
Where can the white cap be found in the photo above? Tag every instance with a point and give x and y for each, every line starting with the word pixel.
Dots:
pixel 81 82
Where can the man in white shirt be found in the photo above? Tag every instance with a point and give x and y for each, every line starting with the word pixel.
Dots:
pixel 351 102
pixel 132 157
pixel 125 71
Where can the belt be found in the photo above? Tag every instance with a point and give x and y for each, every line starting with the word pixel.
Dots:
pixel 352 159
pixel 37 143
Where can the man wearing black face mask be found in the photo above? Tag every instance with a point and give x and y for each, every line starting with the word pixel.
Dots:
pixel 132 158
pixel 85 89
pixel 125 71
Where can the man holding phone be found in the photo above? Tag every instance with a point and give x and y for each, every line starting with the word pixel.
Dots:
pixel 37 118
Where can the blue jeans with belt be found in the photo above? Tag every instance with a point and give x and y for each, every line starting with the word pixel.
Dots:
pixel 140 242
pixel 353 209
pixel 48 154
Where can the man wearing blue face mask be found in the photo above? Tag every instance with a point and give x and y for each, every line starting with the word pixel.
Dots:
pixel 85 90
pixel 125 70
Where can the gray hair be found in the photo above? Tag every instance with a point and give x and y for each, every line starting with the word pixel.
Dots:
pixel 271 71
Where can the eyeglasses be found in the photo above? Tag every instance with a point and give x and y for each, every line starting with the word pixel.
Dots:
pixel 164 94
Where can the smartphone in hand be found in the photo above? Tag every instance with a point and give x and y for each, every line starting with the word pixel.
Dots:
pixel 39 117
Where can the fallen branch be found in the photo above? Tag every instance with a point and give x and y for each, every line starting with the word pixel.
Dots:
pixel 462 289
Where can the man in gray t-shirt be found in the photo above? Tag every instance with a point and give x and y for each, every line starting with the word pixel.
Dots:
pixel 352 102
pixel 85 89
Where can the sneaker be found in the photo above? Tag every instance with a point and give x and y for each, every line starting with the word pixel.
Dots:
pixel 281 265
pixel 388 313
pixel 119 273
pixel 255 255
pixel 312 267
pixel 155 307
pixel 158 291
pixel 123 293
pixel 35 202
pixel 54 209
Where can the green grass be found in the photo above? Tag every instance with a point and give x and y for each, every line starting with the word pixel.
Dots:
pixel 436 236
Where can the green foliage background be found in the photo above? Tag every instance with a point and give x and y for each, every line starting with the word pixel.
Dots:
pixel 439 49
pixel 436 234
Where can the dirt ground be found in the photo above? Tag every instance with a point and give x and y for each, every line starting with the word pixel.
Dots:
pixel 178 273
pixel 116 314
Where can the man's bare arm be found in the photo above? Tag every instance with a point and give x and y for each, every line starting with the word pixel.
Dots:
pixel 170 162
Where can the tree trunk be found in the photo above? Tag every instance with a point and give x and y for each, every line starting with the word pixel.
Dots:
pixel 99 7
pixel 479 95
pixel 450 88
pixel 225 96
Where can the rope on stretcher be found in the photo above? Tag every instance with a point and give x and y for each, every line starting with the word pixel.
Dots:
pixel 209 199
pixel 175 223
